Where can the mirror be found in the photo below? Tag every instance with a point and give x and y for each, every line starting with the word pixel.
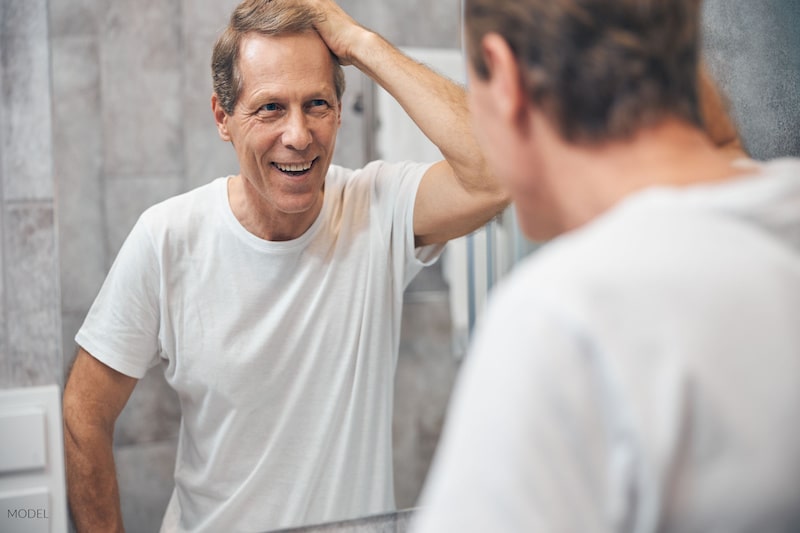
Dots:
pixel 132 126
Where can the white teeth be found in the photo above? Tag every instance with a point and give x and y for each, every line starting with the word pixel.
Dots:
pixel 294 167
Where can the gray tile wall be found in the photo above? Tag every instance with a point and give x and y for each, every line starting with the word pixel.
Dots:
pixel 27 142
pixel 30 321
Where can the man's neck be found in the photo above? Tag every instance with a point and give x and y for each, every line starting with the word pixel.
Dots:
pixel 262 219
pixel 587 181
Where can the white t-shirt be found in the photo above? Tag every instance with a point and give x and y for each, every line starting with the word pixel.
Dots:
pixel 639 374
pixel 282 353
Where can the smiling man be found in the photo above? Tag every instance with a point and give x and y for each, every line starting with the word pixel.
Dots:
pixel 272 298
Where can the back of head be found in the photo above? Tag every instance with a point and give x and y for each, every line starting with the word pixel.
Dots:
pixel 598 69
pixel 265 17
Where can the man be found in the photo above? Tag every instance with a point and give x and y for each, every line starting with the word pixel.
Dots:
pixel 272 298
pixel 642 371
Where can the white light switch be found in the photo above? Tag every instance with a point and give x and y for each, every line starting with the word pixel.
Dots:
pixel 22 441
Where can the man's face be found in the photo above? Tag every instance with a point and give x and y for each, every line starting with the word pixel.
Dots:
pixel 285 122
pixel 506 145
pixel 495 135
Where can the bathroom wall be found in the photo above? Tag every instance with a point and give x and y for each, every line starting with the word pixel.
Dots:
pixel 30 330
pixel 104 110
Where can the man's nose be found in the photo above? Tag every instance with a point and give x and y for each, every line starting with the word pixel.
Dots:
pixel 297 134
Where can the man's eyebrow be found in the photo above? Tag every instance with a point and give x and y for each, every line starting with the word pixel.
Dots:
pixel 269 96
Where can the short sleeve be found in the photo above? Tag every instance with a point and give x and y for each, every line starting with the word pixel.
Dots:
pixel 396 186
pixel 121 328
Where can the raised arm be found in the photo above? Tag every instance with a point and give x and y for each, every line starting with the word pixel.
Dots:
pixel 93 398
pixel 456 195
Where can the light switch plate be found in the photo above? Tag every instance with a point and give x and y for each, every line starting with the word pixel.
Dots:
pixel 22 440
pixel 33 494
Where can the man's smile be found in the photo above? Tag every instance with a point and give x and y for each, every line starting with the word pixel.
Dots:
pixel 294 169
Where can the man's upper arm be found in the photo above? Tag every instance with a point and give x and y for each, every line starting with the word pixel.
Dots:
pixel 445 208
pixel 95 393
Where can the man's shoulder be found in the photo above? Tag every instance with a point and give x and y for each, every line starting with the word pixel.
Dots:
pixel 617 253
pixel 179 204
pixel 186 210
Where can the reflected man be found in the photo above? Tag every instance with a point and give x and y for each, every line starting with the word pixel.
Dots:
pixel 272 299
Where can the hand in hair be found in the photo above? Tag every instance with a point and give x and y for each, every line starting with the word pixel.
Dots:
pixel 338 29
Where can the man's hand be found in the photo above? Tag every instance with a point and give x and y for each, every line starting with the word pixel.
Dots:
pixel 339 30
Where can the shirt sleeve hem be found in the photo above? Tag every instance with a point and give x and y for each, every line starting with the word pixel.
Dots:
pixel 109 358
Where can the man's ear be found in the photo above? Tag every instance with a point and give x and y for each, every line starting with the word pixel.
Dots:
pixel 505 80
pixel 221 118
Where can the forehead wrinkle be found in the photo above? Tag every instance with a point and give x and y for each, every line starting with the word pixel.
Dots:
pixel 293 69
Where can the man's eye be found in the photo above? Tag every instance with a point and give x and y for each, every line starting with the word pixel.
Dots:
pixel 318 103
pixel 269 107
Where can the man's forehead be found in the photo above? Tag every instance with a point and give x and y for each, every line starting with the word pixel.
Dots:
pixel 301 53
pixel 286 66
pixel 254 43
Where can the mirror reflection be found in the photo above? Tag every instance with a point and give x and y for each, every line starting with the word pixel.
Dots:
pixel 251 327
